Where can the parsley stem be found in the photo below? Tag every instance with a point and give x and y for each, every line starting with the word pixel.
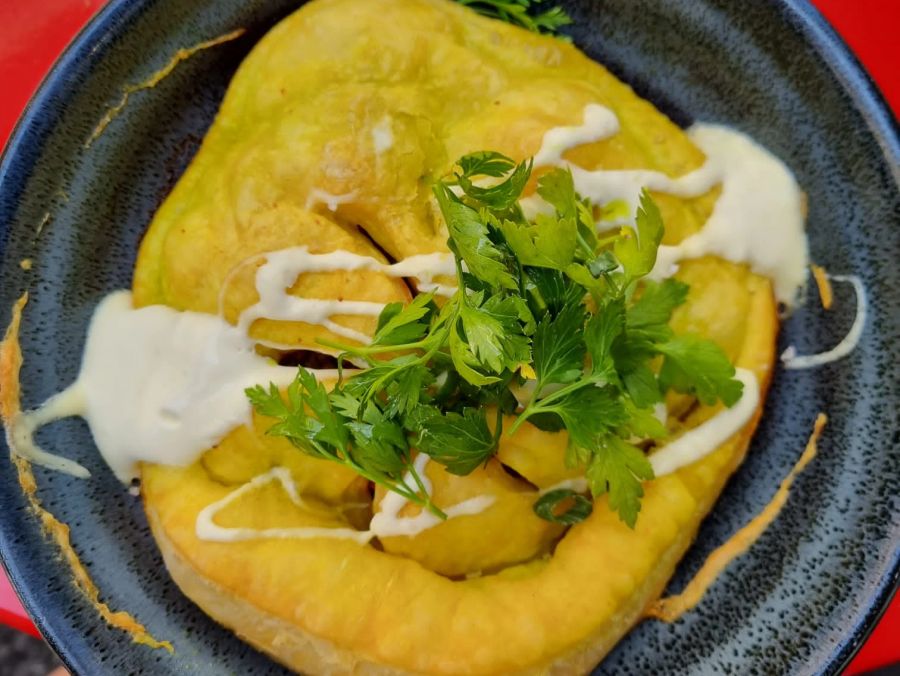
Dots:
pixel 563 391
pixel 429 505
pixel 612 284
pixel 437 339
pixel 400 487
pixel 461 284
pixel 498 428
pixel 539 406
pixel 374 349
pixel 585 247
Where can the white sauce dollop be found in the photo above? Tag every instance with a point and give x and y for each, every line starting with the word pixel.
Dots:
pixel 758 219
pixel 20 434
pixel 159 385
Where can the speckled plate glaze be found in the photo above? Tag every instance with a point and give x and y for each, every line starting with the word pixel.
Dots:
pixel 805 595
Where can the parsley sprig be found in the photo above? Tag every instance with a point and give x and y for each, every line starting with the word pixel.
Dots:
pixel 544 305
pixel 525 13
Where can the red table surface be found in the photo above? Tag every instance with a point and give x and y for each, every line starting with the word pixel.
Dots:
pixel 34 35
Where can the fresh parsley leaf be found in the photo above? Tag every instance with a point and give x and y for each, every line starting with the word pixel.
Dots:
pixel 502 195
pixel 579 274
pixel 406 391
pixel 267 402
pixel 375 447
pixel 576 508
pixel 399 324
pixel 345 403
pixel 557 188
pixel 636 251
pixel 698 366
pixel 520 13
pixel 641 384
pixel 293 423
pixel 380 444
pixel 603 263
pixel 589 414
pixel 312 435
pixel 313 394
pixel 559 347
pixel 460 442
pixel 551 20
pixel 587 228
pixel 648 318
pixel 485 163
pixel 465 362
pixel 601 332
pixel 495 339
pixel 470 240
pixel 378 376
pixel 618 468
pixel 642 423
pixel 549 291
pixel 548 243
pixel 510 310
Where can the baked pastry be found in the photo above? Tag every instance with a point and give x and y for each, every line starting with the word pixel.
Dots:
pixel 329 139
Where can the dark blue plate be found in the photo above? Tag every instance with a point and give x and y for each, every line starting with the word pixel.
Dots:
pixel 802 599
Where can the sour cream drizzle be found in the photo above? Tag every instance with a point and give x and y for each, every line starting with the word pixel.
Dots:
pixel 69 402
pixel 282 268
pixel 207 529
pixel 792 360
pixel 159 385
pixel 156 385
pixel 599 123
pixel 706 437
pixel 758 218
pixel 386 523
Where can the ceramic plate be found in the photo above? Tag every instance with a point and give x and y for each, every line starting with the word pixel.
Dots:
pixel 804 596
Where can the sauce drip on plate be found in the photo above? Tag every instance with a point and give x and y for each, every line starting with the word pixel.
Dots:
pixel 671 608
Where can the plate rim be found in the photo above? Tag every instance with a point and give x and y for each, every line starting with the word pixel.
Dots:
pixel 829 47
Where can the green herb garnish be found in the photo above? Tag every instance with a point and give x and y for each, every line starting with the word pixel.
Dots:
pixel 576 507
pixel 525 13
pixel 546 297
